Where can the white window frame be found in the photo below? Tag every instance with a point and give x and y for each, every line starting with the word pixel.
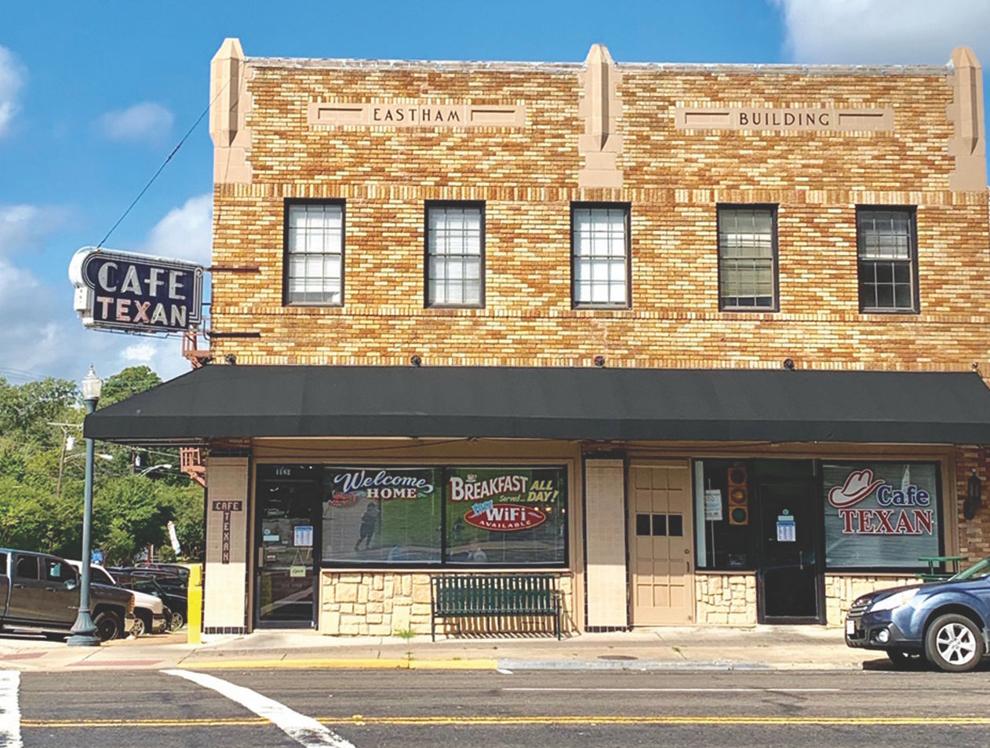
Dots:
pixel 601 256
pixel 308 244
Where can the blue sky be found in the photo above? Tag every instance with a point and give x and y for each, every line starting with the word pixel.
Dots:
pixel 93 96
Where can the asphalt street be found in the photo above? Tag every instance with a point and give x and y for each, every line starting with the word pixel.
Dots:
pixel 439 708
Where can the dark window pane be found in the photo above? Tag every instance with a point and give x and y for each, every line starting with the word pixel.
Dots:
pixel 885 297
pixel 902 294
pixel 885 273
pixel 902 272
pixel 675 525
pixel 659 524
pixel 27 567
pixel 868 295
pixel 642 524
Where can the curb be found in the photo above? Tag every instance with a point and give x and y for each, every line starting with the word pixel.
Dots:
pixel 343 664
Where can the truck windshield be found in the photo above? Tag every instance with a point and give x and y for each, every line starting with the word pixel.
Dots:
pixel 979 570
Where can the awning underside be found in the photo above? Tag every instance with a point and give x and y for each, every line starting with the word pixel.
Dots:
pixel 217 402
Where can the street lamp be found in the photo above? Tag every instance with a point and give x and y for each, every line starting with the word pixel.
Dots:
pixel 84 630
pixel 163 466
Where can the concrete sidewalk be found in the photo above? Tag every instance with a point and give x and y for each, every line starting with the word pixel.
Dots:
pixel 687 648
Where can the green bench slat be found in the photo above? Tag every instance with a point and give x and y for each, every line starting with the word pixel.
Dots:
pixel 480 595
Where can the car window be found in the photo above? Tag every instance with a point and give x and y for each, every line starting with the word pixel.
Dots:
pixel 57 570
pixel 27 567
pixel 100 576
pixel 3 563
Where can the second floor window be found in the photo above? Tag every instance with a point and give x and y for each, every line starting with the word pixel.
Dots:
pixel 455 254
pixel 747 258
pixel 887 248
pixel 600 255
pixel 314 253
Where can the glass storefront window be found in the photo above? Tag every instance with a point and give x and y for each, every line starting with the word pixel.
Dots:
pixel 506 516
pixel 381 515
pixel 880 515
pixel 376 515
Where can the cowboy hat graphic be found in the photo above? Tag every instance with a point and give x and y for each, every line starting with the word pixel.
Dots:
pixel 859 484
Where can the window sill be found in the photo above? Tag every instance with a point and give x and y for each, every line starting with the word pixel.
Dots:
pixel 891 312
pixel 726 572
pixel 437 569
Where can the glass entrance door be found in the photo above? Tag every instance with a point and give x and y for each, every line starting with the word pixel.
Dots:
pixel 286 574
pixel 790 579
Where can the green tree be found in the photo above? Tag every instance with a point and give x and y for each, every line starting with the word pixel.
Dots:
pixel 40 512
pixel 127 382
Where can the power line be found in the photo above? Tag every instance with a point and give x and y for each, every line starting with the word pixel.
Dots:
pixel 162 167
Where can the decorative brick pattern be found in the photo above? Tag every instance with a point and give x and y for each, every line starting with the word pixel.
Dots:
pixel 388 603
pixel 974 534
pixel 673 179
pixel 725 599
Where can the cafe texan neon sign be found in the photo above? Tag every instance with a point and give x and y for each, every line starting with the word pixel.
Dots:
pixel 899 511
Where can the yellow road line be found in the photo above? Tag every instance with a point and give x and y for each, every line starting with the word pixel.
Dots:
pixel 482 720
pixel 344 664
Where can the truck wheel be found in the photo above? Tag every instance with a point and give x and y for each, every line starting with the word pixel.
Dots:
pixel 140 628
pixel 954 643
pixel 108 625
pixel 177 621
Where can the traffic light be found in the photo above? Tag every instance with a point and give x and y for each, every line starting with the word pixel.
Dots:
pixel 738 495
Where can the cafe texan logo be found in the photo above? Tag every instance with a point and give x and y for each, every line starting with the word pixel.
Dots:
pixel 487 513
pixel 899 511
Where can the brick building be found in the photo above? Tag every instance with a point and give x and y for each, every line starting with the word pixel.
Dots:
pixel 707 341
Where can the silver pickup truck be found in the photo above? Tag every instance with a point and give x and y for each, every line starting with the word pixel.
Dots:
pixel 40 592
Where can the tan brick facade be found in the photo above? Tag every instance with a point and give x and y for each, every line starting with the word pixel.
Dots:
pixel 602 132
pixel 673 180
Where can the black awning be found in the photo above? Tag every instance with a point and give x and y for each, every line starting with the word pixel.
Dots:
pixel 554 403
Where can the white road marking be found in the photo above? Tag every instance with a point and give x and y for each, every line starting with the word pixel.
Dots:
pixel 503 671
pixel 10 710
pixel 304 730
pixel 677 690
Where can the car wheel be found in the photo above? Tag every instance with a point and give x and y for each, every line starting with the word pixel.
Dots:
pixel 954 643
pixel 177 621
pixel 108 625
pixel 139 628
pixel 902 658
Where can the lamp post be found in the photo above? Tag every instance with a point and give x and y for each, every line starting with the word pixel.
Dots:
pixel 84 630
pixel 153 468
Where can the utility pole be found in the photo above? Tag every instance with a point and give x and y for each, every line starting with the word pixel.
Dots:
pixel 61 458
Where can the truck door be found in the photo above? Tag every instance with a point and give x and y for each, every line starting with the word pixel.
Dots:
pixel 61 590
pixel 27 601
pixel 4 584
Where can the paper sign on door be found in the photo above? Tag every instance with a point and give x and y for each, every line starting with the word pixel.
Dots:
pixel 786 528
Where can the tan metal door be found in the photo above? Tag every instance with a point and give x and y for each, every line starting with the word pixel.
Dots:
pixel 661 532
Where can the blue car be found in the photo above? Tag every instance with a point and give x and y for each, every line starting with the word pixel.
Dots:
pixel 946 622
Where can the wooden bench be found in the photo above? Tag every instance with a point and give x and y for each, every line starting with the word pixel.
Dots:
pixel 494 595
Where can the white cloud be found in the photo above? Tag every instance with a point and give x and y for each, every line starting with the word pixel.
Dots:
pixel 139 353
pixel 12 76
pixel 147 121
pixel 19 225
pixel 41 333
pixel 185 232
pixel 883 31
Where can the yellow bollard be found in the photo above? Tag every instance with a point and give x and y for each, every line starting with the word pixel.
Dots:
pixel 194 608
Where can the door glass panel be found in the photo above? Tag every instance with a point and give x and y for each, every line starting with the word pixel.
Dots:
pixel 286 574
pixel 27 567
pixel 790 567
